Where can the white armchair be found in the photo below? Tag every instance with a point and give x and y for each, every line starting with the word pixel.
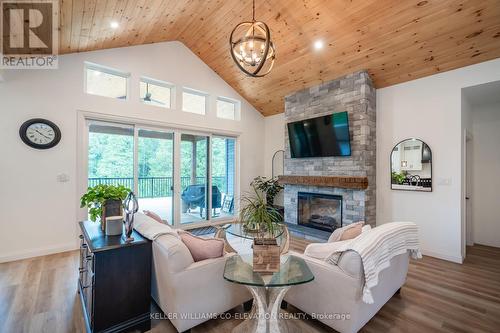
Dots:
pixel 335 295
pixel 187 291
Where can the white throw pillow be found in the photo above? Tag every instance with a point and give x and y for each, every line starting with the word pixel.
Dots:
pixel 335 236
pixel 366 228
pixel 150 228
pixel 324 250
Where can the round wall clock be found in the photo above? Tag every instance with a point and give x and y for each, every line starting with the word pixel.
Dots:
pixel 40 133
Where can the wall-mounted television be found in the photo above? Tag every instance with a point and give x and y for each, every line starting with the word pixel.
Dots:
pixel 320 137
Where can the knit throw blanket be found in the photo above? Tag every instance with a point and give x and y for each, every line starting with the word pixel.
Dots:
pixel 377 247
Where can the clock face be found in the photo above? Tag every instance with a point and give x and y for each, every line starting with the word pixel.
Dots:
pixel 40 133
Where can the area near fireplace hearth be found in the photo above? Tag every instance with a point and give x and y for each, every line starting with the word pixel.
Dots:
pixel 325 193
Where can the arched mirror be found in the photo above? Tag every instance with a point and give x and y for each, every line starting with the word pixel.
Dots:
pixel 411 166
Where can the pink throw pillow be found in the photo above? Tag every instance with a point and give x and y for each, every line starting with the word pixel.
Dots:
pixel 337 234
pixel 351 232
pixel 153 215
pixel 202 248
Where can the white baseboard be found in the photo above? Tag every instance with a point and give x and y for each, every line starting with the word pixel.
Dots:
pixel 39 252
pixel 447 257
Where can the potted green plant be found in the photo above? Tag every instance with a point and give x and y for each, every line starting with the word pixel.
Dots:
pixel 263 219
pixel 103 201
pixel 270 187
pixel 398 178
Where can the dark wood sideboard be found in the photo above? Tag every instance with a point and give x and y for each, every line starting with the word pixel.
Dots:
pixel 114 281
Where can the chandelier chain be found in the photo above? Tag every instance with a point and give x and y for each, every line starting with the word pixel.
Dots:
pixel 253 10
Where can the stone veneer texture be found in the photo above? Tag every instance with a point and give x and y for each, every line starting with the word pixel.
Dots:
pixel 355 94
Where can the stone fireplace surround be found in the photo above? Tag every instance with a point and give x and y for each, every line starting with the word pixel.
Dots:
pixel 355 94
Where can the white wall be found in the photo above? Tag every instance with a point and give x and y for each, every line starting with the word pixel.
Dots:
pixel 429 109
pixel 485 180
pixel 38 215
pixel 275 140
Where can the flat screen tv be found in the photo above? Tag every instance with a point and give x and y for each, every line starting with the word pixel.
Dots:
pixel 320 137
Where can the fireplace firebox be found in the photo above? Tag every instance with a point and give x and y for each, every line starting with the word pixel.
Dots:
pixel 319 211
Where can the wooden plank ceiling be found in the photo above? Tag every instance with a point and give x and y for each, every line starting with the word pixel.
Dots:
pixel 395 40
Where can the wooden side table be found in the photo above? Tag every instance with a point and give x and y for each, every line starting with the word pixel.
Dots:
pixel 114 280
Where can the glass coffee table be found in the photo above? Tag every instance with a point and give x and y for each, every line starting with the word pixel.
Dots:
pixel 268 291
pixel 280 233
pixel 239 230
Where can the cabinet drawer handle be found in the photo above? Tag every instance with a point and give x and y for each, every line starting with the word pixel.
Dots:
pixel 81 269
pixel 84 246
pixel 88 258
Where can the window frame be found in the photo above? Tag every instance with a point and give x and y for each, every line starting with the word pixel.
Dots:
pixel 106 70
pixel 235 102
pixel 160 83
pixel 198 93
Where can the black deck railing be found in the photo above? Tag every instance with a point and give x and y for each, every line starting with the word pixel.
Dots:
pixel 157 187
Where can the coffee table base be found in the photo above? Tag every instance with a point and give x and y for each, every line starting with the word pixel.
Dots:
pixel 265 314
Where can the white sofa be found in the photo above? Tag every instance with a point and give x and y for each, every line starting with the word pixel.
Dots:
pixel 334 297
pixel 182 287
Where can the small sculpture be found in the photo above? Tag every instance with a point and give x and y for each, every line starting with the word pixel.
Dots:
pixel 130 206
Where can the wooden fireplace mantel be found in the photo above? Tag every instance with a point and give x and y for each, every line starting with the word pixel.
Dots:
pixel 350 182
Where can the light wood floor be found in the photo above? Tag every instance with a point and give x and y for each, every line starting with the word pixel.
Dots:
pixel 39 295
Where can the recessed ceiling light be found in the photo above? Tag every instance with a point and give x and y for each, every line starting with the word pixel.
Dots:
pixel 114 24
pixel 318 45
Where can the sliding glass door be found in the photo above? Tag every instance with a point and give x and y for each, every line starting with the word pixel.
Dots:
pixel 184 177
pixel 194 180
pixel 223 176
pixel 110 154
pixel 155 182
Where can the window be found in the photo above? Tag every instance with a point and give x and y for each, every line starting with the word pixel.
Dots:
pixel 194 101
pixel 103 81
pixel 227 108
pixel 156 93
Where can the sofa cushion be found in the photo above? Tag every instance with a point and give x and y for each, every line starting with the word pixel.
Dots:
pixel 176 254
pixel 338 233
pixel 202 248
pixel 150 228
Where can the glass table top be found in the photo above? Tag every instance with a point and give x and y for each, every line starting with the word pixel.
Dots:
pixel 293 271
pixel 239 230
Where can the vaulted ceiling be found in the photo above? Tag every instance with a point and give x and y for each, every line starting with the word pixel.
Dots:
pixel 395 40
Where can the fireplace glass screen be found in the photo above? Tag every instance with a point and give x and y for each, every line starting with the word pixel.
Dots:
pixel 320 211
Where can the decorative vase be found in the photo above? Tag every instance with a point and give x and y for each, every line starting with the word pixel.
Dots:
pixel 111 207
pixel 266 255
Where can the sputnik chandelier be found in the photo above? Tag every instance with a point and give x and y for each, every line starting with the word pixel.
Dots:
pixel 251 47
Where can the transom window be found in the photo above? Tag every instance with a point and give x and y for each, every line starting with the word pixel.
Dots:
pixel 227 108
pixel 104 81
pixel 157 93
pixel 194 101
